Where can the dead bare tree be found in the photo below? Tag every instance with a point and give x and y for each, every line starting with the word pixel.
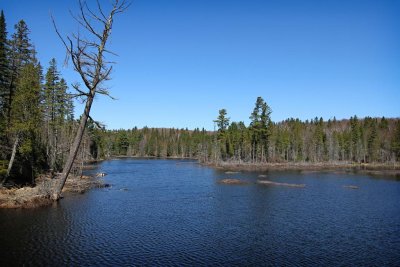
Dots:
pixel 87 54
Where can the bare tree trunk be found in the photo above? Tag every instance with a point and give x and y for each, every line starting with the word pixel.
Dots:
pixel 11 163
pixel 89 61
pixel 74 149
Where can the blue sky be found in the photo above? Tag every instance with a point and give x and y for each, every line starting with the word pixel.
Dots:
pixel 181 61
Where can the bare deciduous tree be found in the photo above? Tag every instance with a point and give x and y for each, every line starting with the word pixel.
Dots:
pixel 87 54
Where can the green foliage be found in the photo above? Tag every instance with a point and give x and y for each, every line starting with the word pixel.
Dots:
pixel 396 141
pixel 26 115
pixel 222 121
pixel 36 118
pixel 4 81
pixel 260 130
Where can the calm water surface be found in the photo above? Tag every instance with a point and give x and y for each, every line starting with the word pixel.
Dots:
pixel 167 212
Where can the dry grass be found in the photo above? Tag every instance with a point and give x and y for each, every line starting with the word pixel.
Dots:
pixel 82 184
pixel 33 197
pixel 390 169
pixel 26 197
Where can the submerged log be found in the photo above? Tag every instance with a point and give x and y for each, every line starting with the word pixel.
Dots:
pixel 232 181
pixel 351 186
pixel 265 182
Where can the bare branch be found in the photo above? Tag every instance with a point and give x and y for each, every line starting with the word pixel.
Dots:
pixel 98 124
pixel 101 10
pixel 87 24
pixel 81 93
pixel 88 58
pixel 94 16
pixel 68 48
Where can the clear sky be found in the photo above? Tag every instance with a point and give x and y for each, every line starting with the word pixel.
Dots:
pixel 181 61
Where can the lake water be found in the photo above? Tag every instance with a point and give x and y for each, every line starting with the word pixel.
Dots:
pixel 169 212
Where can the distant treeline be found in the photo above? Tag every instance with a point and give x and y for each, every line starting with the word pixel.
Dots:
pixel 37 126
pixel 354 140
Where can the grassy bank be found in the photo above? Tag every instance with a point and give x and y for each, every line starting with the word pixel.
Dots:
pixel 371 168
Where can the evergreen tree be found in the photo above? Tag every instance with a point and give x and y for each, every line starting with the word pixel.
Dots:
pixel 26 119
pixel 373 144
pixel 4 80
pixel 21 53
pixel 4 68
pixel 396 141
pixel 51 103
pixel 222 121
pixel 260 127
pixel 58 113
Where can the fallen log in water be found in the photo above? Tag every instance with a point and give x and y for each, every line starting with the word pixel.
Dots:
pixel 232 181
pixel 351 186
pixel 265 182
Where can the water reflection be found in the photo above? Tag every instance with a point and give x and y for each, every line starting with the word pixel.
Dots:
pixel 165 212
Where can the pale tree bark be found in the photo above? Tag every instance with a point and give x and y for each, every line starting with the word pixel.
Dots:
pixel 11 162
pixel 88 58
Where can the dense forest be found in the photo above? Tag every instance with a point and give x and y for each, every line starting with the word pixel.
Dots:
pixel 355 140
pixel 37 126
pixel 36 110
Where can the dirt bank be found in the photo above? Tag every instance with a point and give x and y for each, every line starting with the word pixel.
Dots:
pixel 33 197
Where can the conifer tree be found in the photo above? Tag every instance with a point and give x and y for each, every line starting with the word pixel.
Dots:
pixel 396 141
pixel 4 80
pixel 53 96
pixel 26 117
pixel 21 53
pixel 222 123
pixel 4 68
pixel 22 68
pixel 260 127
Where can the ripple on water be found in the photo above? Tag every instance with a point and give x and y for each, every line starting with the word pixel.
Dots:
pixel 176 214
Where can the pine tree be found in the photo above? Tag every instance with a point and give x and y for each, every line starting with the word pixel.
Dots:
pixel 58 113
pixel 260 127
pixel 50 108
pixel 21 76
pixel 396 141
pixel 26 118
pixel 21 53
pixel 222 121
pixel 3 61
pixel 4 80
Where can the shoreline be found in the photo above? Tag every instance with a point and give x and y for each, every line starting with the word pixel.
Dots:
pixel 28 197
pixel 391 169
pixel 150 157
pixel 373 169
